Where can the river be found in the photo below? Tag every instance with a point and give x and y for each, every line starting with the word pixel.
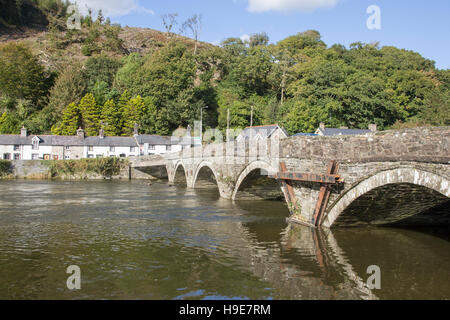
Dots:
pixel 132 240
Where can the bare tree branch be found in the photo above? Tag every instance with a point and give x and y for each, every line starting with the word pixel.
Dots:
pixel 194 25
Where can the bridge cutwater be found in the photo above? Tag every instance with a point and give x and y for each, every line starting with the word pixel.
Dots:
pixel 381 178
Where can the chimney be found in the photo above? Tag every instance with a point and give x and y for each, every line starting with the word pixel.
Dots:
pixel 23 132
pixel 322 125
pixel 373 127
pixel 101 133
pixel 136 129
pixel 80 134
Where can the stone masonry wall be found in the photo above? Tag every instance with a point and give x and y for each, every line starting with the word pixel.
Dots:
pixel 36 169
pixel 430 145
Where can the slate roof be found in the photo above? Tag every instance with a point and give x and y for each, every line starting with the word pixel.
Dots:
pixel 153 140
pixel 264 131
pixel 111 142
pixel 305 135
pixel 342 132
pixel 164 141
pixel 44 140
pixel 13 139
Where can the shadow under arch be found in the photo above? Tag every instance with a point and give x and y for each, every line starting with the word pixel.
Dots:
pixel 180 174
pixel 254 183
pixel 205 177
pixel 390 197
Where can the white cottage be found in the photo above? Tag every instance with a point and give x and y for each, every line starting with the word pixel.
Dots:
pixel 46 147
pixel 263 132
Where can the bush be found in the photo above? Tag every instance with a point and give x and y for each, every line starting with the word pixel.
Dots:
pixel 106 167
pixel 5 167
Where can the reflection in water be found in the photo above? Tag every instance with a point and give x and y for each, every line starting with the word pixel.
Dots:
pixel 133 241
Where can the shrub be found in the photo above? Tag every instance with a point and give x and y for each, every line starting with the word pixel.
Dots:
pixel 106 167
pixel 5 167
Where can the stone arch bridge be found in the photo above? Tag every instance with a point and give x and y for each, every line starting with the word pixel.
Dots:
pixel 390 177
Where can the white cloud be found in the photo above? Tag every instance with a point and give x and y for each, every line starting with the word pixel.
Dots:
pixel 289 5
pixel 112 8
pixel 245 38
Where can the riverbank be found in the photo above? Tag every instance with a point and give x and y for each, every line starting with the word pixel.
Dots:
pixel 84 169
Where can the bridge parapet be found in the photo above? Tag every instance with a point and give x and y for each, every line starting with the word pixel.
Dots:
pixel 429 145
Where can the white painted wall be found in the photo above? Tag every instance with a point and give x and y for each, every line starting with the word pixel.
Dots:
pixel 26 152
pixel 159 149
pixel 9 149
pixel 43 150
pixel 105 152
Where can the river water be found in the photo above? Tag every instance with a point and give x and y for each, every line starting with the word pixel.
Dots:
pixel 135 241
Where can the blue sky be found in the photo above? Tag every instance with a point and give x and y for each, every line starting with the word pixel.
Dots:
pixel 421 26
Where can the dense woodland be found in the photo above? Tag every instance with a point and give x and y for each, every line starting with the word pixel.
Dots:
pixel 89 78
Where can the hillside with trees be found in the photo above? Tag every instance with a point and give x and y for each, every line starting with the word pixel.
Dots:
pixel 54 80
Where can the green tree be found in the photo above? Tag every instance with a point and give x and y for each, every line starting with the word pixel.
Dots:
pixel 165 73
pixel 70 122
pixel 91 115
pixel 21 74
pixel 9 124
pixel 112 118
pixel 133 112
pixel 100 69
pixel 154 121
pixel 126 77
pixel 251 73
pixel 436 110
pixel 259 39
pixel 69 87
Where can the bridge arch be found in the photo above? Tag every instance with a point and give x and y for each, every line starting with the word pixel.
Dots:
pixel 205 165
pixel 252 167
pixel 411 180
pixel 180 173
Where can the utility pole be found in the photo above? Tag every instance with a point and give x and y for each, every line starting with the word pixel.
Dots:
pixel 251 118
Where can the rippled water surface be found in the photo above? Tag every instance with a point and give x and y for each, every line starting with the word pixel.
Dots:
pixel 135 241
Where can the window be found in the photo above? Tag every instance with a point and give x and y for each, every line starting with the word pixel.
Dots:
pixel 6 156
pixel 132 149
pixel 67 157
pixel 90 156
pixel 91 148
pixel 151 148
pixel 168 148
pixel 67 147
pixel 16 147
pixel 35 145
pixel 112 149
pixel 35 156
pixel 16 156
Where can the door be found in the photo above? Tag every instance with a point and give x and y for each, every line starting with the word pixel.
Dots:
pixel 46 157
